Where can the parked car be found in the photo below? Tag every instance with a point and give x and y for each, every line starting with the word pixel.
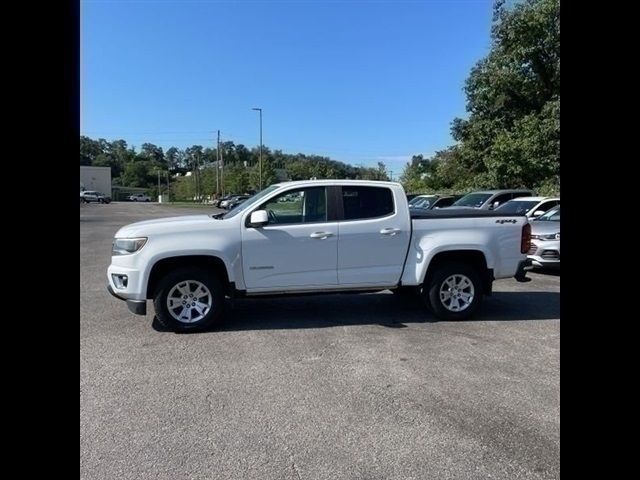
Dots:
pixel 237 201
pixel 545 240
pixel 337 236
pixel 225 201
pixel 139 197
pixel 429 202
pixel 89 196
pixel 489 199
pixel 231 202
pixel 532 207
pixel 218 201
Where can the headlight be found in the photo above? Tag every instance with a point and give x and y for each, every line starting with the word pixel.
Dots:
pixel 127 246
pixel 550 236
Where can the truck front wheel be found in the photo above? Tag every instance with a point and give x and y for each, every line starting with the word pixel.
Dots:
pixel 189 299
pixel 454 291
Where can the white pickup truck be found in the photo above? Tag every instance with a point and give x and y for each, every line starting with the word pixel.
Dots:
pixel 315 236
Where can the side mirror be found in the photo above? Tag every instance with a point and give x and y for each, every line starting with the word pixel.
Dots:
pixel 494 205
pixel 259 218
pixel 537 213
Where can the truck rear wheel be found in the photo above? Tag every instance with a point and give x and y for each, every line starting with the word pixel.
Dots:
pixel 188 300
pixel 454 291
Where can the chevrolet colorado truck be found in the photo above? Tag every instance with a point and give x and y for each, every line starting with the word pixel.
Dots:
pixel 316 236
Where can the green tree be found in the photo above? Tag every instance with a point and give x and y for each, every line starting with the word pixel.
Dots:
pixel 89 150
pixel 153 153
pixel 139 173
pixel 512 135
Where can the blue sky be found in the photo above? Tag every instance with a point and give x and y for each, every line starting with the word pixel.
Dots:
pixel 359 81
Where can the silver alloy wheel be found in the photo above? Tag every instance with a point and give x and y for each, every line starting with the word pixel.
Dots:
pixel 456 293
pixel 189 301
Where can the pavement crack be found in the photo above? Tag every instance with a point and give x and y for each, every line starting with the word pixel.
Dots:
pixel 295 469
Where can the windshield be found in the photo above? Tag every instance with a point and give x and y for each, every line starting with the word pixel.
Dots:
pixel 249 201
pixel 421 202
pixel 472 200
pixel 516 207
pixel 552 215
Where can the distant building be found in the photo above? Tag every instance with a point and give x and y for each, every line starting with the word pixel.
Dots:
pixel 95 178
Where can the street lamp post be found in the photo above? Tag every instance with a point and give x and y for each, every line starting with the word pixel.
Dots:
pixel 260 165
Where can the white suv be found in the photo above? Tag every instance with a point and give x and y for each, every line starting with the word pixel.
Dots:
pixel 139 197
pixel 532 207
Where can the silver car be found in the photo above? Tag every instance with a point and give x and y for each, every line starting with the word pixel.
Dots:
pixel 545 240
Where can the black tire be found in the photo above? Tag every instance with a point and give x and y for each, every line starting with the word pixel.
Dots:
pixel 443 273
pixel 147 200
pixel 212 318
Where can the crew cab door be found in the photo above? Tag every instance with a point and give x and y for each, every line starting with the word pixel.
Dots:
pixel 374 236
pixel 297 249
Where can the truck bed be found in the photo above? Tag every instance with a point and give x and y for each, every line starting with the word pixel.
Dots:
pixel 458 213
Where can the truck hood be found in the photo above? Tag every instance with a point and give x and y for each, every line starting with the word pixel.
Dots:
pixel 164 225
pixel 544 227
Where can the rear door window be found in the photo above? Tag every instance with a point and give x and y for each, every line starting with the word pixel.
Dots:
pixel 366 202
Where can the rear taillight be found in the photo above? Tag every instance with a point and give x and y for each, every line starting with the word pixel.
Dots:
pixel 525 243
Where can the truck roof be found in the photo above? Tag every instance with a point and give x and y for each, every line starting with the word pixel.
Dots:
pixel 533 199
pixel 503 190
pixel 329 181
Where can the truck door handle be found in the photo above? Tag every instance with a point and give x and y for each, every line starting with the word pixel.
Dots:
pixel 390 231
pixel 321 235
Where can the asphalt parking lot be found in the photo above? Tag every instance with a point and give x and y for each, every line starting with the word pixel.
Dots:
pixel 326 387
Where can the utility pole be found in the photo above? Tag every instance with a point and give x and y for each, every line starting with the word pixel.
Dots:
pixel 222 172
pixel 260 166
pixel 194 175
pixel 168 187
pixel 158 185
pixel 218 165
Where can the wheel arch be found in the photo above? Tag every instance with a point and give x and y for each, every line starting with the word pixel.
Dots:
pixel 474 258
pixel 207 262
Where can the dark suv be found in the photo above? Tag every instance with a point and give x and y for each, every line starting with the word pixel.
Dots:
pixel 430 202
pixel 489 199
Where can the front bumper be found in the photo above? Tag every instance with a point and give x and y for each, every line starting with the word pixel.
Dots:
pixel 139 307
pixel 545 254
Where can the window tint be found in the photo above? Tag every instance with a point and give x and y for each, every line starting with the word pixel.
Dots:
pixel 444 202
pixel 516 207
pixel 305 205
pixel 505 197
pixel 552 215
pixel 472 200
pixel 521 194
pixel 366 202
